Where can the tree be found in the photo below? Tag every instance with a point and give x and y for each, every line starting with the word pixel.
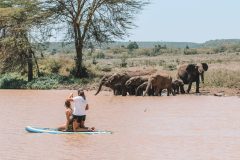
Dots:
pixel 98 21
pixel 133 45
pixel 17 19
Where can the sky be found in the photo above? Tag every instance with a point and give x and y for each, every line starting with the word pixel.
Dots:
pixel 187 21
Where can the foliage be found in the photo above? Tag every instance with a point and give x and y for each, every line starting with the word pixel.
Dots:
pixel 124 60
pixel 190 51
pixel 100 55
pixel 132 46
pixel 12 81
pixel 55 66
pixel 17 19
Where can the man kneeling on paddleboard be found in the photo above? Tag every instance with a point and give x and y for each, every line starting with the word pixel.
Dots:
pixel 78 118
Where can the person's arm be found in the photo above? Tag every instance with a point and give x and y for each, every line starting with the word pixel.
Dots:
pixel 70 97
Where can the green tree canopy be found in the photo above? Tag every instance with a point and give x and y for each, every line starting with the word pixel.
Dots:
pixel 17 18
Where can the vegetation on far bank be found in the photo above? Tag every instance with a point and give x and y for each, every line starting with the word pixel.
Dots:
pixel 56 69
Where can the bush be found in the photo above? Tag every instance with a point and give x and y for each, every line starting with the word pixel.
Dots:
pixel 124 60
pixel 49 82
pixel 84 73
pixel 12 81
pixel 132 46
pixel 55 66
pixel 190 51
pixel 100 55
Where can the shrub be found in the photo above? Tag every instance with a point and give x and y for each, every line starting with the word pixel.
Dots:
pixel 49 82
pixel 100 55
pixel 84 73
pixel 190 51
pixel 12 81
pixel 124 60
pixel 132 46
pixel 55 66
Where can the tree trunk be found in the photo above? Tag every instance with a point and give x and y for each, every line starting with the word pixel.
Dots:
pixel 80 72
pixel 35 59
pixel 78 61
pixel 30 66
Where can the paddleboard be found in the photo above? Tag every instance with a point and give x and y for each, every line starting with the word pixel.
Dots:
pixel 55 131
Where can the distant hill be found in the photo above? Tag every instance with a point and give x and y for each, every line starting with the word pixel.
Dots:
pixel 60 46
pixel 152 44
pixel 221 42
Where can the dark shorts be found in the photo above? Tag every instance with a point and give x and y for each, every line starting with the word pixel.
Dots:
pixel 79 118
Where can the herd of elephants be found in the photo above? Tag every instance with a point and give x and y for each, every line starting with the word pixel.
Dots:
pixel 125 83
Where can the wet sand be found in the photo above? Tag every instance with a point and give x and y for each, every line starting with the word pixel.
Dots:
pixel 176 127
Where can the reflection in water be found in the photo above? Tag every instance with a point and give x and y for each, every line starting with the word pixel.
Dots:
pixel 169 128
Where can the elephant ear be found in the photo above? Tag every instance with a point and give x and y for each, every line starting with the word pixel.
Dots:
pixel 205 66
pixel 191 68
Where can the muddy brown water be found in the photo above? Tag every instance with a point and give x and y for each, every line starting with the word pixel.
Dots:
pixel 145 128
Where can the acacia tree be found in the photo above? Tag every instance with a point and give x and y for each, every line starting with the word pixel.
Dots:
pixel 94 21
pixel 17 18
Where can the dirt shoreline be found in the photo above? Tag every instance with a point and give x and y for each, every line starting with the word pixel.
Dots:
pixel 220 92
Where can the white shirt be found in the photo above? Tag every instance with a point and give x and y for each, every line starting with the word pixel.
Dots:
pixel 79 106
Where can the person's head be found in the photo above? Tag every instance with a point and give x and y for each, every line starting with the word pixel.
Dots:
pixel 67 104
pixel 81 93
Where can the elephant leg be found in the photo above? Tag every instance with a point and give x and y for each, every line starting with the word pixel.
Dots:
pixel 197 87
pixel 173 92
pixel 124 92
pixel 189 87
pixel 182 89
pixel 177 90
pixel 160 92
pixel 156 92
pixel 168 92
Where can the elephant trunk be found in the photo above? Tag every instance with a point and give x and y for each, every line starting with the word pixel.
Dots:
pixel 99 88
pixel 202 77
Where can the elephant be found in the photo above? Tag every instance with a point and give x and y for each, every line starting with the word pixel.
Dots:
pixel 190 73
pixel 134 82
pixel 119 79
pixel 104 82
pixel 142 87
pixel 176 85
pixel 158 82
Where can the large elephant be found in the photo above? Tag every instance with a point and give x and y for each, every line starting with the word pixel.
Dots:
pixel 190 73
pixel 119 79
pixel 159 81
pixel 134 82
pixel 104 82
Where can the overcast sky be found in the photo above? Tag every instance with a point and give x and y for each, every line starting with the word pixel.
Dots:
pixel 188 20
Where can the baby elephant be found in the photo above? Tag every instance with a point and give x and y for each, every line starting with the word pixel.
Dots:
pixel 176 85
